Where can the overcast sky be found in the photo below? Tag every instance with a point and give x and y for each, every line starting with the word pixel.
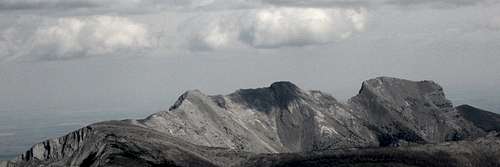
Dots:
pixel 144 53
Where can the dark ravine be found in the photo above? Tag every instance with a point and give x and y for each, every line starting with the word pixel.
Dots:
pixel 391 122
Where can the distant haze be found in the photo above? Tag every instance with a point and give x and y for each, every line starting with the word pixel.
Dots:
pixel 67 63
pixel 107 54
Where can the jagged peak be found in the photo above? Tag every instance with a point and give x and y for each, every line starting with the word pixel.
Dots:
pixel 285 92
pixel 264 99
pixel 380 81
pixel 284 85
pixel 185 96
pixel 387 83
pixel 281 92
pixel 400 90
pixel 284 89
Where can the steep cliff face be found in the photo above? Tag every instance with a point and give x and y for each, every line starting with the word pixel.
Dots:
pixel 407 111
pixel 226 130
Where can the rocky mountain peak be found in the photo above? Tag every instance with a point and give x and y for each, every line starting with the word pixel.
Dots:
pixel 186 96
pixel 206 130
pixel 414 111
pixel 278 94
pixel 284 86
pixel 284 92
pixel 404 92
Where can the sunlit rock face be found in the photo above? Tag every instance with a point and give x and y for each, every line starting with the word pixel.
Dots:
pixel 414 118
pixel 284 118
pixel 279 118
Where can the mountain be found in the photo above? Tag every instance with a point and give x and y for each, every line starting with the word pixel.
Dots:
pixel 279 118
pixel 485 120
pixel 402 110
pixel 391 122
pixel 483 152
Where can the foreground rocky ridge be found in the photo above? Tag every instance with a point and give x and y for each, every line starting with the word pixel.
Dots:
pixel 283 125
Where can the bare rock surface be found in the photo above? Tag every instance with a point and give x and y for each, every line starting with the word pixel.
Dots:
pixel 391 122
pixel 279 118
pixel 402 110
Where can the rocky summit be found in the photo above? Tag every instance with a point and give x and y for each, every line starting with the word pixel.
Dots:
pixel 391 122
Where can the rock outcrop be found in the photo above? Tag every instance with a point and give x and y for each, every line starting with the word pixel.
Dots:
pixel 282 125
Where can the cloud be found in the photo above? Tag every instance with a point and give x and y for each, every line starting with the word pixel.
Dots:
pixel 275 27
pixel 10 43
pixel 62 4
pixel 494 24
pixel 278 27
pixel 119 5
pixel 151 6
pixel 440 3
pixel 88 36
pixel 322 3
pixel 211 31
pixel 365 3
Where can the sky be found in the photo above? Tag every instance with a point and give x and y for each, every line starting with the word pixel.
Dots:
pixel 103 54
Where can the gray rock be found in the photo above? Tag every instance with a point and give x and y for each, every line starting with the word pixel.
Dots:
pixel 124 143
pixel 397 109
pixel 280 124
pixel 279 118
pixel 483 152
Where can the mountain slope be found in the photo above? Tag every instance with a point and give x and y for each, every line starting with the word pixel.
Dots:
pixel 279 118
pixel 482 152
pixel 123 143
pixel 485 120
pixel 400 110
pixel 280 121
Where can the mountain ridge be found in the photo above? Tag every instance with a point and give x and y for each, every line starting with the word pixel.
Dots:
pixel 273 121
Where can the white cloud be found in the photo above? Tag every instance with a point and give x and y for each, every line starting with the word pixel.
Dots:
pixel 88 36
pixel 275 27
pixel 302 26
pixel 211 31
pixel 10 43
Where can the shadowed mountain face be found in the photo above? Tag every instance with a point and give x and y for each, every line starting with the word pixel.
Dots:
pixel 485 120
pixel 283 125
pixel 402 110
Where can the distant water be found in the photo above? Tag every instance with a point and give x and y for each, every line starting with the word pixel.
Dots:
pixel 19 130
